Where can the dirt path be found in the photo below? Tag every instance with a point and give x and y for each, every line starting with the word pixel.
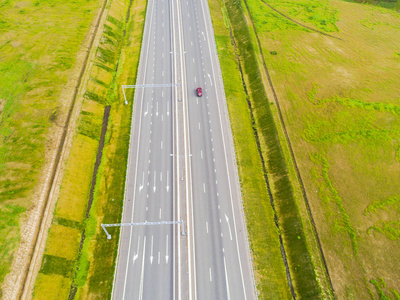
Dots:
pixel 19 283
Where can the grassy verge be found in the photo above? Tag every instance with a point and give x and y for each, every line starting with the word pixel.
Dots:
pixel 264 237
pixel 300 262
pixel 96 271
pixel 83 276
pixel 342 120
pixel 38 52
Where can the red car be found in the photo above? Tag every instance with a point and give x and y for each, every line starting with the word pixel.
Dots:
pixel 199 92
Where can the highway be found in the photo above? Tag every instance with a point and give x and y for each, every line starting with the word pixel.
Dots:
pixel 181 168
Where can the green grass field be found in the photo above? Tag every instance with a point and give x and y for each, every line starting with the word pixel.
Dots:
pixel 38 50
pixel 340 102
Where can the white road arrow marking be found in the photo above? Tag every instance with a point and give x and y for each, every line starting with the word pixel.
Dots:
pixel 154 186
pixel 135 256
pixel 229 226
pixel 157 110
pixel 141 276
pixel 166 251
pixel 167 182
pixel 167 108
pixel 203 35
pixel 141 186
pixel 209 76
pixel 147 109
pixel 151 252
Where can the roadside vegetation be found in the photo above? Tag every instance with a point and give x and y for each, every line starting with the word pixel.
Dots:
pixel 85 268
pixel 38 50
pixel 263 233
pixel 338 97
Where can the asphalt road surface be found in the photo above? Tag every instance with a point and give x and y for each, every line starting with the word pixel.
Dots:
pixel 181 169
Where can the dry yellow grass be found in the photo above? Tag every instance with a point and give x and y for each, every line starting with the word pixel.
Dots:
pixel 93 107
pixel 63 242
pixel 74 192
pixel 49 287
